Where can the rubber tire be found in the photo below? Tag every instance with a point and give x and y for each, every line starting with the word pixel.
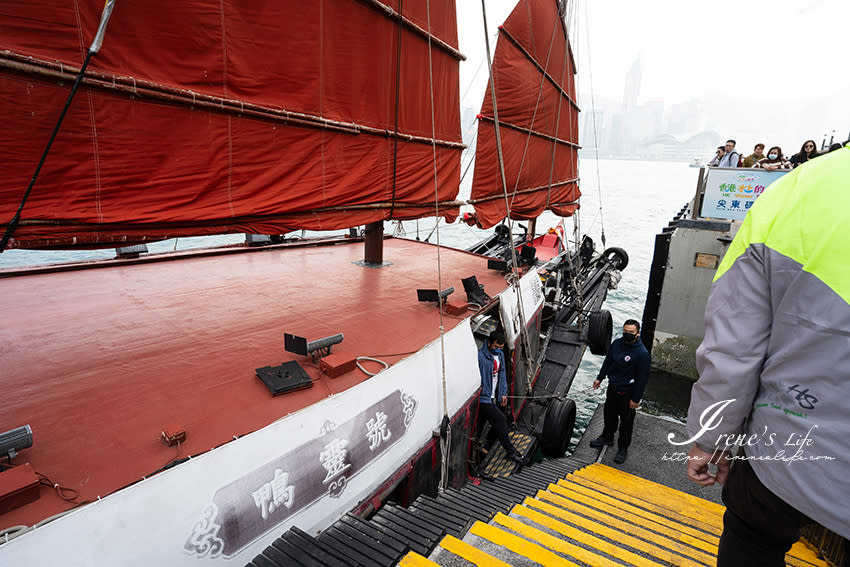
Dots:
pixel 600 331
pixel 558 427
pixel 617 256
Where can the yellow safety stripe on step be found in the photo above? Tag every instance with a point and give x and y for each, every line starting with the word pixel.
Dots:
pixel 589 503
pixel 471 554
pixel 595 505
pixel 521 546
pixel 665 491
pixel 660 547
pixel 660 509
pixel 649 495
pixel 564 546
pixel 413 559
pixel 791 561
pixel 629 523
pixel 653 493
pixel 594 498
pixel 804 554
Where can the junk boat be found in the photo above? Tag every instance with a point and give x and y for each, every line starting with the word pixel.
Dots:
pixel 171 408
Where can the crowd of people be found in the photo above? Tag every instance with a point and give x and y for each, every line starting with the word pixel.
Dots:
pixel 727 156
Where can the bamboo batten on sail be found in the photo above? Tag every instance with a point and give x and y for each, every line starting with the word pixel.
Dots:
pixel 200 119
pixel 533 74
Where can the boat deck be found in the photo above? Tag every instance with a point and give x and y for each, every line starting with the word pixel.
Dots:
pixel 100 361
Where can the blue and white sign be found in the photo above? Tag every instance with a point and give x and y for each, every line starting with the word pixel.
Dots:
pixel 730 192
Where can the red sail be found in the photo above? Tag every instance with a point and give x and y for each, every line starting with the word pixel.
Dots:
pixel 213 116
pixel 533 70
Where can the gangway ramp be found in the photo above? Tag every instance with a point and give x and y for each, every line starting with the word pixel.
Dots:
pixel 598 516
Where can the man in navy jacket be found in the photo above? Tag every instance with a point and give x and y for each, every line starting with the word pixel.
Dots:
pixel 494 390
pixel 627 367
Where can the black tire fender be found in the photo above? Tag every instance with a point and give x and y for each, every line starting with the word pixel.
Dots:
pixel 617 257
pixel 558 427
pixel 600 330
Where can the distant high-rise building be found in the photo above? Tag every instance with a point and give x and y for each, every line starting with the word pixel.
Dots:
pixel 686 118
pixel 468 115
pixel 592 131
pixel 647 118
pixel 632 88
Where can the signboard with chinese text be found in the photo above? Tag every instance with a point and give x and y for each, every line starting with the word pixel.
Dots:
pixel 322 466
pixel 730 192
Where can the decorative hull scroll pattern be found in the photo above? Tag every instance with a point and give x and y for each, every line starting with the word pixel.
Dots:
pixel 259 501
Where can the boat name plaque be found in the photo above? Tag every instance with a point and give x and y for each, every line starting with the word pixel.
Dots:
pixel 252 505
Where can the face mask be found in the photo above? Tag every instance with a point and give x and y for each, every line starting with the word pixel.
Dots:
pixel 495 350
pixel 629 337
pixel 772 156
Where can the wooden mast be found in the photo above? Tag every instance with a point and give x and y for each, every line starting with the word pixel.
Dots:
pixel 374 249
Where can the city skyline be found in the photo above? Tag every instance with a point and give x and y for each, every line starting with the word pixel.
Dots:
pixel 693 59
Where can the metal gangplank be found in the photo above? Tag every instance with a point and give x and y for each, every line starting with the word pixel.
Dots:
pixel 568 511
pixel 561 512
pixel 598 516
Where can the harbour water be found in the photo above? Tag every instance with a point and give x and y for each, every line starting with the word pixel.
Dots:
pixel 637 199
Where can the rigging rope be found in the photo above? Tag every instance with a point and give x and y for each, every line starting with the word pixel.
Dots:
pixel 397 94
pixel 13 224
pixel 595 129
pixel 514 276
pixel 557 120
pixel 534 114
pixel 445 443
pixel 95 46
pixel 573 276
pixel 574 270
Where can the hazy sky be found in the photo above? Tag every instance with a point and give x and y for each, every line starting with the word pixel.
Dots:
pixel 778 66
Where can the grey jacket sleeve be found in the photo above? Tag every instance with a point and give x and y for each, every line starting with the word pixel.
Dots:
pixel 738 321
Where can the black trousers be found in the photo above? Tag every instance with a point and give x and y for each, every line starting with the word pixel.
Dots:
pixel 758 527
pixel 617 412
pixel 498 422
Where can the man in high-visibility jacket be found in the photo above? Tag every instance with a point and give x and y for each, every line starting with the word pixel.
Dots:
pixel 773 398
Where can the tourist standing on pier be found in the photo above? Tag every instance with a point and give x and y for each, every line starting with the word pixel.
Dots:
pixel 627 367
pixel 753 158
pixel 731 157
pixel 774 160
pixel 494 390
pixel 718 155
pixel 808 151
pixel 774 366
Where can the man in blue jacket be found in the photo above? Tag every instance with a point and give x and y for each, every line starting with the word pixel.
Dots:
pixel 494 389
pixel 627 366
